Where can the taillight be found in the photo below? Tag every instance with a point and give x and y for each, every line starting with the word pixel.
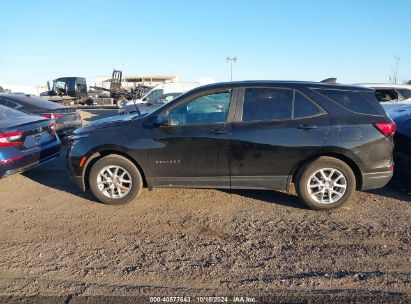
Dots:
pixel 11 139
pixel 386 128
pixel 52 128
pixel 52 115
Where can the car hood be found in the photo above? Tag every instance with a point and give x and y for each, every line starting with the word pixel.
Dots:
pixel 107 122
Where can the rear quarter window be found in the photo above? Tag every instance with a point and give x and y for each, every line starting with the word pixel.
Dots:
pixel 355 101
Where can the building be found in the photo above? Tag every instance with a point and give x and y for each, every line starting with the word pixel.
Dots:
pixel 131 81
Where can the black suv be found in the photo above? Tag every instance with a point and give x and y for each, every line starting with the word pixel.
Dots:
pixel 327 139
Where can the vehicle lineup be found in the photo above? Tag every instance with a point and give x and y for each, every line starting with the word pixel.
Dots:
pixel 327 139
pixel 66 119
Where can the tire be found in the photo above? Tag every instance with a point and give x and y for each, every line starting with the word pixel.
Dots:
pixel 121 102
pixel 309 176
pixel 131 187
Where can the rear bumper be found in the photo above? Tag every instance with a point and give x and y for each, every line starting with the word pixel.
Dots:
pixel 375 180
pixel 31 161
pixel 66 128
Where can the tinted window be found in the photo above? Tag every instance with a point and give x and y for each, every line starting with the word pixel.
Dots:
pixel 6 113
pixel 405 93
pixel 359 102
pixel 154 94
pixel 207 109
pixel 384 95
pixel 267 104
pixel 303 107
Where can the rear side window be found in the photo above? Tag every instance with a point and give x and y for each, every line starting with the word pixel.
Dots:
pixel 405 93
pixel 267 104
pixel 303 107
pixel 359 102
pixel 385 95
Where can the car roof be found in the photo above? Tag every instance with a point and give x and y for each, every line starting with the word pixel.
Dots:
pixel 282 83
pixel 386 85
pixel 30 102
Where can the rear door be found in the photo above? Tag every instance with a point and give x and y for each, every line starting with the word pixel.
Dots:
pixel 275 129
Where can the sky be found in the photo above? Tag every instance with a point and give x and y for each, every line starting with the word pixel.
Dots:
pixel 355 41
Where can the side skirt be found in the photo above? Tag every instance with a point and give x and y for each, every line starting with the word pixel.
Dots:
pixel 222 182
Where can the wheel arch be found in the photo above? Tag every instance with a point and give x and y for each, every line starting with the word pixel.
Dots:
pixel 96 155
pixel 340 156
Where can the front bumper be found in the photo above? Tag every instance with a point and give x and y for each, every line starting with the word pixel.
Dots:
pixel 77 180
pixel 375 180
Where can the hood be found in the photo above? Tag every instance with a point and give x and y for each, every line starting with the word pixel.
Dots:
pixel 108 122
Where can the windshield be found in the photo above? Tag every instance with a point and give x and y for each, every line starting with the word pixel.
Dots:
pixel 405 93
pixel 153 95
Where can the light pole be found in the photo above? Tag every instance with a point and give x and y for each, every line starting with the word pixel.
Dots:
pixel 231 61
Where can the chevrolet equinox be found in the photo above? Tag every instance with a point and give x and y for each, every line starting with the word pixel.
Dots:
pixel 327 139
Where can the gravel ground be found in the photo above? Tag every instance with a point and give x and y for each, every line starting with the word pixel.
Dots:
pixel 58 244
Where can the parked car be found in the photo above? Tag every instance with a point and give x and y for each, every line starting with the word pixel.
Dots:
pixel 328 140
pixel 402 154
pixel 25 141
pixel 66 118
pixel 148 106
pixel 389 92
pixel 397 109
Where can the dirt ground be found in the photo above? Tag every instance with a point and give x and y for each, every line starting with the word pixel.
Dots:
pixel 58 244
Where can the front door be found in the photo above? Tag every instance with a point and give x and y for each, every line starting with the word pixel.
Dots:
pixel 192 148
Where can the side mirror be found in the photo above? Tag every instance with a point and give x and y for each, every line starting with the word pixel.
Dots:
pixel 161 120
pixel 149 104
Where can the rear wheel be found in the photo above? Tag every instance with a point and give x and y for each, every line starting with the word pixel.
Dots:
pixel 115 180
pixel 326 183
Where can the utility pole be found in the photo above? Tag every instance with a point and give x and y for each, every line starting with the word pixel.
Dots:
pixel 231 61
pixel 396 69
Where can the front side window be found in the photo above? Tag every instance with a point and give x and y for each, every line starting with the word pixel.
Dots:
pixel 207 109
pixel 264 104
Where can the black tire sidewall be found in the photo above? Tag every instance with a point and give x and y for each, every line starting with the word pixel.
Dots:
pixel 123 162
pixel 325 162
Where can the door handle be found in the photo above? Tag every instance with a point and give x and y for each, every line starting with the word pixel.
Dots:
pixel 307 127
pixel 218 131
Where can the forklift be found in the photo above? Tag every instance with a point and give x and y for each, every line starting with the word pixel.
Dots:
pixel 118 94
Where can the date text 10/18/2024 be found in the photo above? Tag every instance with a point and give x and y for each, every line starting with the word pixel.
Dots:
pixel 234 299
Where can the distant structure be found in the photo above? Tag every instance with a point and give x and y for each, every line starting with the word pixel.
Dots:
pixel 132 81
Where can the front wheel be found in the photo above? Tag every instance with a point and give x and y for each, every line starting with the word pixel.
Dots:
pixel 121 102
pixel 115 180
pixel 326 183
